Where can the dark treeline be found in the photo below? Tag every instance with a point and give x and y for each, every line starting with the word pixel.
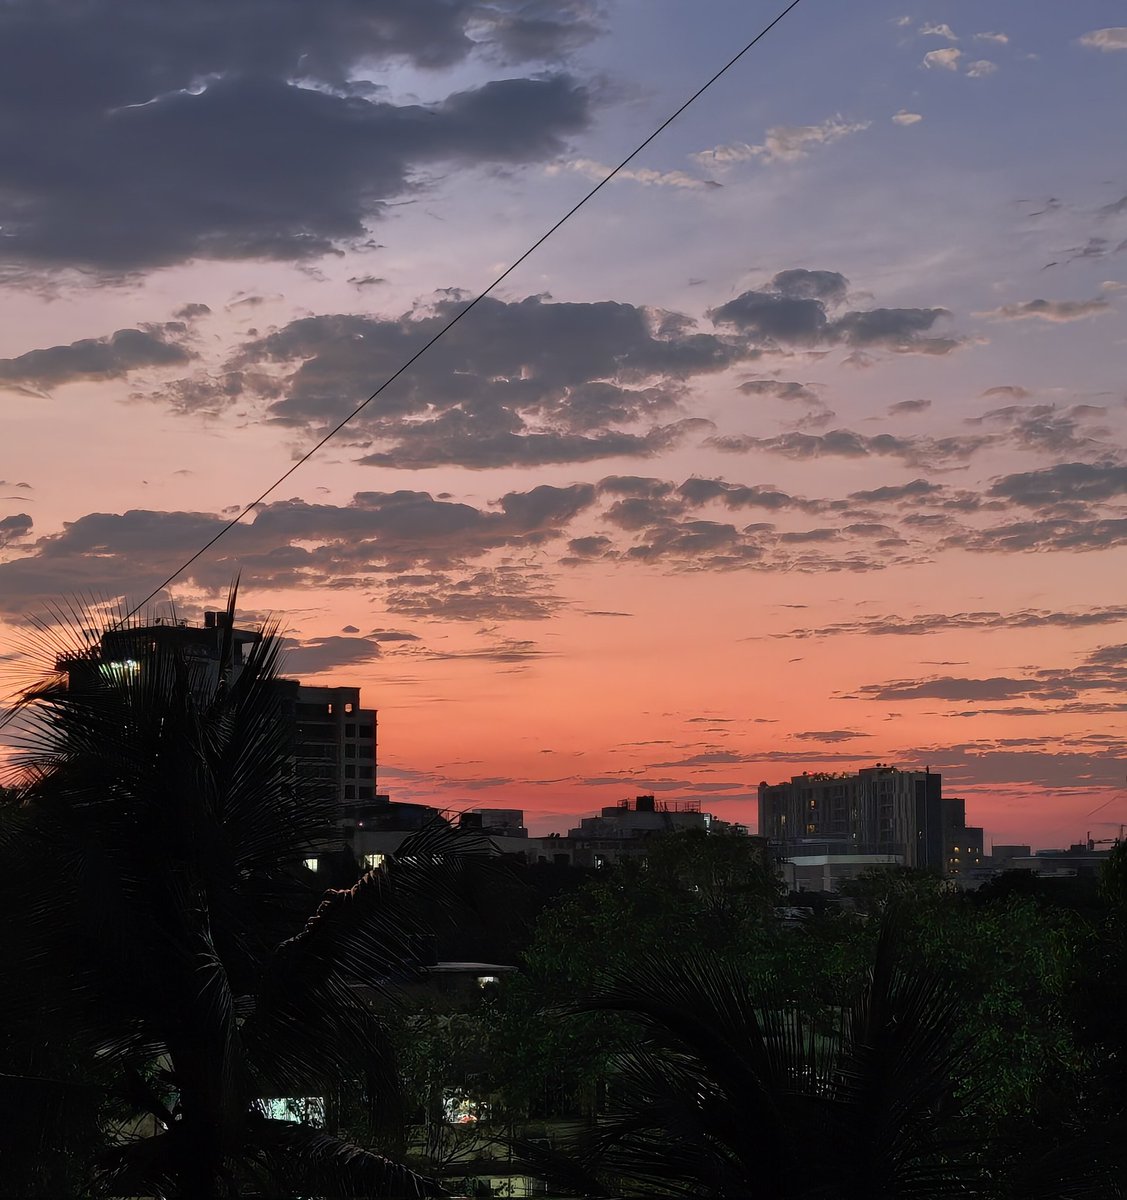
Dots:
pixel 186 1011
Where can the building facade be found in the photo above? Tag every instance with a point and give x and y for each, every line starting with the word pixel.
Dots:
pixel 333 737
pixel 880 810
pixel 963 856
pixel 335 746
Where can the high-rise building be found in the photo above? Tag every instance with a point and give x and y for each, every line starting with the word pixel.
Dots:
pixel 335 741
pixel 334 738
pixel 880 810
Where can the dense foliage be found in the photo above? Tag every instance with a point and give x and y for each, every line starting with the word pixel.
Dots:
pixel 173 976
pixel 186 1011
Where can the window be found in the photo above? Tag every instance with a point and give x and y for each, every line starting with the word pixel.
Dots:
pixel 350 731
pixel 366 773
pixel 349 750
pixel 310 864
pixel 348 707
pixel 350 791
pixel 366 732
pixel 350 770
pixel 373 862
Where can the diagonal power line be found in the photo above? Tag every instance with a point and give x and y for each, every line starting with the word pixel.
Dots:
pixel 237 519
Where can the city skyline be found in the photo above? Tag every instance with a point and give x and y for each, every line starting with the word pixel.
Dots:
pixel 801 447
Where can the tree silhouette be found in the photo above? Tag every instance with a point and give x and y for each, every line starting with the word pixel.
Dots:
pixel 161 926
pixel 732 1093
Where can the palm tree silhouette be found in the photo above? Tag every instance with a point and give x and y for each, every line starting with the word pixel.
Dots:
pixel 732 1093
pixel 159 923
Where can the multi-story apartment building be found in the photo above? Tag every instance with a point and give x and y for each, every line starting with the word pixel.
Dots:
pixel 334 738
pixel 962 843
pixel 880 810
pixel 335 745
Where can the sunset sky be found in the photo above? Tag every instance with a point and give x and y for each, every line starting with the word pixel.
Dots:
pixel 801 447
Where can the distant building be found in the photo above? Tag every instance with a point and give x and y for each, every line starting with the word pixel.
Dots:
pixel 879 810
pixel 619 831
pixel 334 738
pixel 962 843
pixel 335 745
pixel 497 822
pixel 1002 858
pixel 827 872
pixel 1080 859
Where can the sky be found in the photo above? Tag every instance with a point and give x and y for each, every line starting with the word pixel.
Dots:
pixel 801 447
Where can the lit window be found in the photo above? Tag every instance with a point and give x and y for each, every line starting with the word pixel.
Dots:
pixel 482 980
pixel 348 707
pixel 311 864
pixel 120 670
pixel 373 862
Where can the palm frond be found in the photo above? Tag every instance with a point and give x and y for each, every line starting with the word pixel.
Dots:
pixel 304 1161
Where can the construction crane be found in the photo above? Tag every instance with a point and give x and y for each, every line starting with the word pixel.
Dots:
pixel 1094 842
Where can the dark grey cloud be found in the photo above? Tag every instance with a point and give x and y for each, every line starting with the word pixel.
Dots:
pixel 14 528
pixel 1051 310
pixel 455 440
pixel 594 546
pixel 951 688
pixel 845 443
pixel 111 357
pixel 1043 428
pixel 794 312
pixel 905 407
pixel 519 383
pixel 774 318
pixel 291 543
pixel 1101 670
pixel 706 758
pixel 830 735
pixel 895 625
pixel 1063 484
pixel 799 284
pixel 507 651
pixel 1008 389
pixel 915 490
pixel 501 594
pixel 249 122
pixel 318 655
pixel 538 30
pixel 635 485
pixel 781 389
pixel 801 536
pixel 189 312
pixel 898 329
pixel 698 491
pixel 986 763
pixel 1040 536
